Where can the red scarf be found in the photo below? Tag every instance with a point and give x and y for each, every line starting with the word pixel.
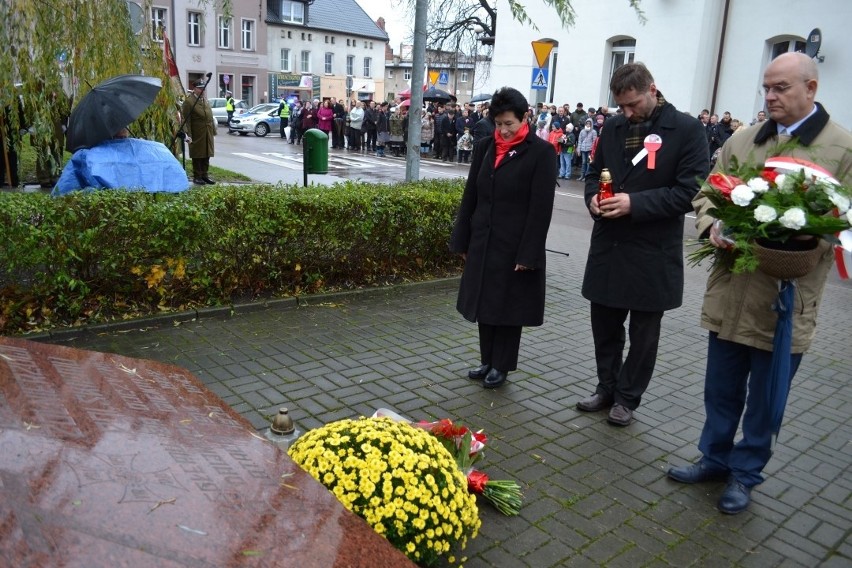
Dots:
pixel 502 146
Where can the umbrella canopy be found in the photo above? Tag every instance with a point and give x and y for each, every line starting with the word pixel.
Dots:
pixel 405 103
pixel 109 107
pixel 436 95
pixel 480 97
pixel 405 94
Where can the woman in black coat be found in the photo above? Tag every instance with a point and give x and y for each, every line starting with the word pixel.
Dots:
pixel 500 231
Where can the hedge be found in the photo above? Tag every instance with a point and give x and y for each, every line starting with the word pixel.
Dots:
pixel 103 255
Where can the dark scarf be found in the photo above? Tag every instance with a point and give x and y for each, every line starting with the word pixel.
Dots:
pixel 806 132
pixel 637 132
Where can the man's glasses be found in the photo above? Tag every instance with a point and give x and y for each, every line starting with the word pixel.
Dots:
pixel 776 89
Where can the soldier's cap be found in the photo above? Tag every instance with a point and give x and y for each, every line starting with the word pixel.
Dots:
pixel 198 84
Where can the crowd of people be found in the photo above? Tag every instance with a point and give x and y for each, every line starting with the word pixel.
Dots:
pixel 448 131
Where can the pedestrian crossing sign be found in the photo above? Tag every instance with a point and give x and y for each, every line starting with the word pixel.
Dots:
pixel 539 78
pixel 444 78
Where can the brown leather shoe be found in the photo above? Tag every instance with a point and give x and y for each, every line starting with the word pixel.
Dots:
pixel 594 403
pixel 619 415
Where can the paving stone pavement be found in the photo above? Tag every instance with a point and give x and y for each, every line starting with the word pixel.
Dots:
pixel 595 494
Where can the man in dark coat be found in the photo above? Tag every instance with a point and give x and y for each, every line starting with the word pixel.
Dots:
pixel 201 129
pixel 438 138
pixel 501 229
pixel 635 262
pixel 715 134
pixel 337 140
pixel 447 127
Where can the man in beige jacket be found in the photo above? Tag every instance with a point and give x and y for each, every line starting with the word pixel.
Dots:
pixel 737 307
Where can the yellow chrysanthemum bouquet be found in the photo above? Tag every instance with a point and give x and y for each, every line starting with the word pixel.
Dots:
pixel 398 478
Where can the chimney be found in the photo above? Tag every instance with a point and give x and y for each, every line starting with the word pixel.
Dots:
pixel 381 23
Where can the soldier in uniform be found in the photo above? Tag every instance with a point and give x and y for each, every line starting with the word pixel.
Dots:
pixel 200 128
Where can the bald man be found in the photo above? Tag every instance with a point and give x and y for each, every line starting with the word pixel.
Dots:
pixel 737 309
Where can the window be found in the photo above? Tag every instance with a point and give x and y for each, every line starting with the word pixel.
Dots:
pixel 390 73
pixel 158 23
pixel 347 42
pixel 623 51
pixel 787 45
pixel 247 34
pixel 285 60
pixel 463 76
pixel 329 59
pixel 406 74
pixel 368 63
pixel 292 11
pixel 225 32
pixel 306 62
pixel 350 65
pixel 193 28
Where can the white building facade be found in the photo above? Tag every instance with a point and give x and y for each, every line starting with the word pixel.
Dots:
pixel 703 53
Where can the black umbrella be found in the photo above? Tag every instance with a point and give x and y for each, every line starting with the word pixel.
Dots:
pixel 480 97
pixel 436 95
pixel 109 107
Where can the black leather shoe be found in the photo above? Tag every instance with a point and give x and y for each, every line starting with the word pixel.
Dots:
pixel 494 379
pixel 198 181
pixel 697 473
pixel 595 403
pixel 207 180
pixel 735 498
pixel 479 373
pixel 620 415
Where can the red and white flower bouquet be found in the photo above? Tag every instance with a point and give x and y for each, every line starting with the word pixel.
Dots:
pixel 787 203
pixel 466 446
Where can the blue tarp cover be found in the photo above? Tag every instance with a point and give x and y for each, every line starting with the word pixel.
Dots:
pixel 130 163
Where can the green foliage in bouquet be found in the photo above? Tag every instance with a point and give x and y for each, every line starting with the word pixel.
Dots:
pixel 760 203
pixel 398 478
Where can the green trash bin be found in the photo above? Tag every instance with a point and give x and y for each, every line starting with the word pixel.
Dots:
pixel 315 143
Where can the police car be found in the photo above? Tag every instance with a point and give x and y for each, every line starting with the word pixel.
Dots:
pixel 261 119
